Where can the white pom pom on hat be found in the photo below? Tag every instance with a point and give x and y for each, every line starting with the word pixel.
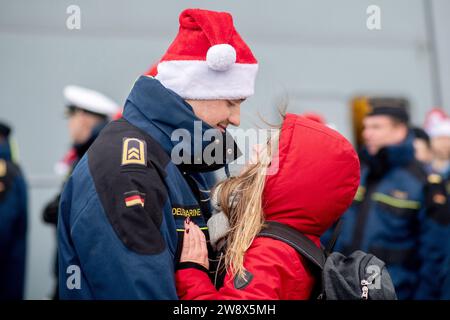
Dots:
pixel 221 57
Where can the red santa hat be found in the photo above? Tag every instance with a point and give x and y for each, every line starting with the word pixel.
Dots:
pixel 208 59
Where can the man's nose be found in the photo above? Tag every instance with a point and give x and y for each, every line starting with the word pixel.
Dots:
pixel 365 133
pixel 235 116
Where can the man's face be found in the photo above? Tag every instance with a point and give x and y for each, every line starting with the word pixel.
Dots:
pixel 422 150
pixel 80 125
pixel 381 131
pixel 218 113
pixel 441 147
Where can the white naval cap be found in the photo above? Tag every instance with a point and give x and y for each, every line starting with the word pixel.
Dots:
pixel 90 100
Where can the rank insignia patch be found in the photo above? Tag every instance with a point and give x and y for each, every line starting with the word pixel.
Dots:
pixel 134 151
pixel 134 198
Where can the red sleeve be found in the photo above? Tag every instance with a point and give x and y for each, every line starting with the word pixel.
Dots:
pixel 278 273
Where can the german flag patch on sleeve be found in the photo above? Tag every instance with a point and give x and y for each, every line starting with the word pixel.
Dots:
pixel 134 198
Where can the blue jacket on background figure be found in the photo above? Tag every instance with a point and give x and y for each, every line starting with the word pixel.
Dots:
pixel 400 215
pixel 445 294
pixel 13 226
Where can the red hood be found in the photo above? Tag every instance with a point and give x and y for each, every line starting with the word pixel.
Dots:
pixel 317 178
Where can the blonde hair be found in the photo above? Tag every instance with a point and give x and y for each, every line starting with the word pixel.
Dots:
pixel 240 198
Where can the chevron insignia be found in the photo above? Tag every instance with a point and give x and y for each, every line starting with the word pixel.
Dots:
pixel 134 151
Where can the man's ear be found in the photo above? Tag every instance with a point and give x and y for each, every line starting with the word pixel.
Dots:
pixel 402 129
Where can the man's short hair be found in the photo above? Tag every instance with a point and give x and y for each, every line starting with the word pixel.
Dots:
pixel 419 133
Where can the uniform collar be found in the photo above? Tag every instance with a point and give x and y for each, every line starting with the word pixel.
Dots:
pixel 399 155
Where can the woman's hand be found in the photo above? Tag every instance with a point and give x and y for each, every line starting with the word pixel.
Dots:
pixel 194 245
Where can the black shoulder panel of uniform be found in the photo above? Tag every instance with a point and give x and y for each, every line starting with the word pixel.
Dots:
pixel 128 169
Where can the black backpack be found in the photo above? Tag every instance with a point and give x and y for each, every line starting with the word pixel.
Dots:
pixel 360 276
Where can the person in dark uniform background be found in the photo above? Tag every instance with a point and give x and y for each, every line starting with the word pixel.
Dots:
pixel 399 213
pixel 88 112
pixel 13 222
pixel 437 125
pixel 422 148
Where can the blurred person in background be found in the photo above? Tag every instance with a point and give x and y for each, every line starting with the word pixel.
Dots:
pixel 399 212
pixel 422 148
pixel 13 221
pixel 88 112
pixel 437 125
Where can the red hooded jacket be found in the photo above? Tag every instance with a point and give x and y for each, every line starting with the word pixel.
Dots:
pixel 316 180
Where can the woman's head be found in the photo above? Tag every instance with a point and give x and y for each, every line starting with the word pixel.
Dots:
pixel 317 178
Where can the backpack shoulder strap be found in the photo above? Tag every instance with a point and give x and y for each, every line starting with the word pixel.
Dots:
pixel 302 244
